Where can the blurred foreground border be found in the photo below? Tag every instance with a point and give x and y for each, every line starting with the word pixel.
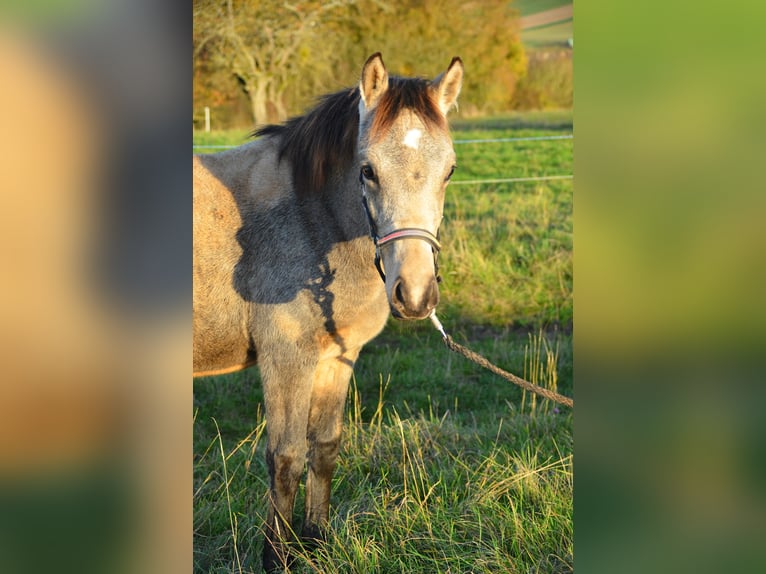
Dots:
pixel 670 268
pixel 95 472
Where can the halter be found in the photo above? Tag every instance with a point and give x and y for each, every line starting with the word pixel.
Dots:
pixel 398 234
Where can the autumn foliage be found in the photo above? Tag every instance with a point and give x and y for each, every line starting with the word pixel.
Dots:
pixel 259 61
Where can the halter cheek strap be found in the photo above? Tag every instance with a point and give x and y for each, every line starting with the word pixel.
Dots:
pixel 396 235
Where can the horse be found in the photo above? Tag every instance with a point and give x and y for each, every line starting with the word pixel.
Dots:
pixel 286 274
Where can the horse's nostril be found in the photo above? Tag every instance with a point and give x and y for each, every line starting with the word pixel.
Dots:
pixel 398 296
pixel 405 305
pixel 434 299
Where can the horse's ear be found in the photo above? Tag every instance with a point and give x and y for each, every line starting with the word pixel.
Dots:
pixel 447 86
pixel 374 80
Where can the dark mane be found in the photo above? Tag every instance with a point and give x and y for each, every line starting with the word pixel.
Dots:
pixel 320 140
pixel 325 138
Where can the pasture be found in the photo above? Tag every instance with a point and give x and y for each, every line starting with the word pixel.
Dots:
pixel 444 467
pixel 548 26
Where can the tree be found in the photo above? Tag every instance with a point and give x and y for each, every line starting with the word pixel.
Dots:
pixel 282 54
pixel 260 42
pixel 421 36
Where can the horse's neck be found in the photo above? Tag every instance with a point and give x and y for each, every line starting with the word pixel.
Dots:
pixel 337 207
pixel 342 197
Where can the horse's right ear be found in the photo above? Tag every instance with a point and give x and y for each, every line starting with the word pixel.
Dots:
pixel 447 86
pixel 374 81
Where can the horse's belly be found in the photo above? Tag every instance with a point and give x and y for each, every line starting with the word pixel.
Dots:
pixel 220 321
pixel 220 339
pixel 219 348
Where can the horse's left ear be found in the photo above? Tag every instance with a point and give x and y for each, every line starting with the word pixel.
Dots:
pixel 447 86
pixel 374 81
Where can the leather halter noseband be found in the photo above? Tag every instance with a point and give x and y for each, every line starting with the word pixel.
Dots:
pixel 398 234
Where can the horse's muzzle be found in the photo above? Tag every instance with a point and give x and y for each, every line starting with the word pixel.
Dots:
pixel 410 302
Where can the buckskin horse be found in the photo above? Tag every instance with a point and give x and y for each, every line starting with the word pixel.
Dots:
pixel 285 273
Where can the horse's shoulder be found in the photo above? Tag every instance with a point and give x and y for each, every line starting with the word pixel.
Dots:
pixel 229 164
pixel 265 178
pixel 254 172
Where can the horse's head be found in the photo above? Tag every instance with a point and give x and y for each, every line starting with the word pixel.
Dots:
pixel 405 162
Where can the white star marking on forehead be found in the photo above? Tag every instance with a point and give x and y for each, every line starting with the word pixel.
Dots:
pixel 412 138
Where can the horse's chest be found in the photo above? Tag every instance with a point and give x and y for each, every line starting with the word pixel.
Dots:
pixel 310 289
pixel 359 302
pixel 354 312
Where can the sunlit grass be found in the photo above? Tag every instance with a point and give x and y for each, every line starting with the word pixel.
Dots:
pixel 423 493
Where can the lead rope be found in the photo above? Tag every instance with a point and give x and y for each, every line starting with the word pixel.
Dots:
pixel 482 362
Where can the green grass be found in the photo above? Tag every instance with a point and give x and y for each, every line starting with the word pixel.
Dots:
pixel 477 482
pixel 528 7
pixel 557 33
pixel 444 466
pixel 221 137
pixel 507 255
pixel 543 120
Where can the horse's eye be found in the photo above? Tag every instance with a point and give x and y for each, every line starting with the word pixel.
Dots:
pixel 368 173
pixel 451 171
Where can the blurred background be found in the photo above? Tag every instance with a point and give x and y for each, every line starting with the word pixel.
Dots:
pixel 669 275
pixel 96 290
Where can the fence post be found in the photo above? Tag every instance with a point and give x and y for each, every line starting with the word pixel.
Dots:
pixel 207 119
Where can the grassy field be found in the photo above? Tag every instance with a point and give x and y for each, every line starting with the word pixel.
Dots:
pixel 444 467
pixel 553 33
pixel 527 7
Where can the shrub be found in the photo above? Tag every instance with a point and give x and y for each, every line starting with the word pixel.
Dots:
pixel 548 81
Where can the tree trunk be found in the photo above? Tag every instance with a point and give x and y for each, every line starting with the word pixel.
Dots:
pixel 257 92
pixel 276 98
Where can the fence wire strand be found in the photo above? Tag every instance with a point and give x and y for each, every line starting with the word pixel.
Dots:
pixel 517 139
pixel 456 142
pixel 510 179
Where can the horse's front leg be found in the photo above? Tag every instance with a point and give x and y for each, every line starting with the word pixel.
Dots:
pixel 328 398
pixel 287 393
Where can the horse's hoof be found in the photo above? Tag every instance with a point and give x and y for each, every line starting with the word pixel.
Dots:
pixel 312 536
pixel 275 562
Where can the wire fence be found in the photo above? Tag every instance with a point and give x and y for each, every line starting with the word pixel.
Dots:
pixel 517 139
pixel 456 142
pixel 475 141
pixel 510 179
